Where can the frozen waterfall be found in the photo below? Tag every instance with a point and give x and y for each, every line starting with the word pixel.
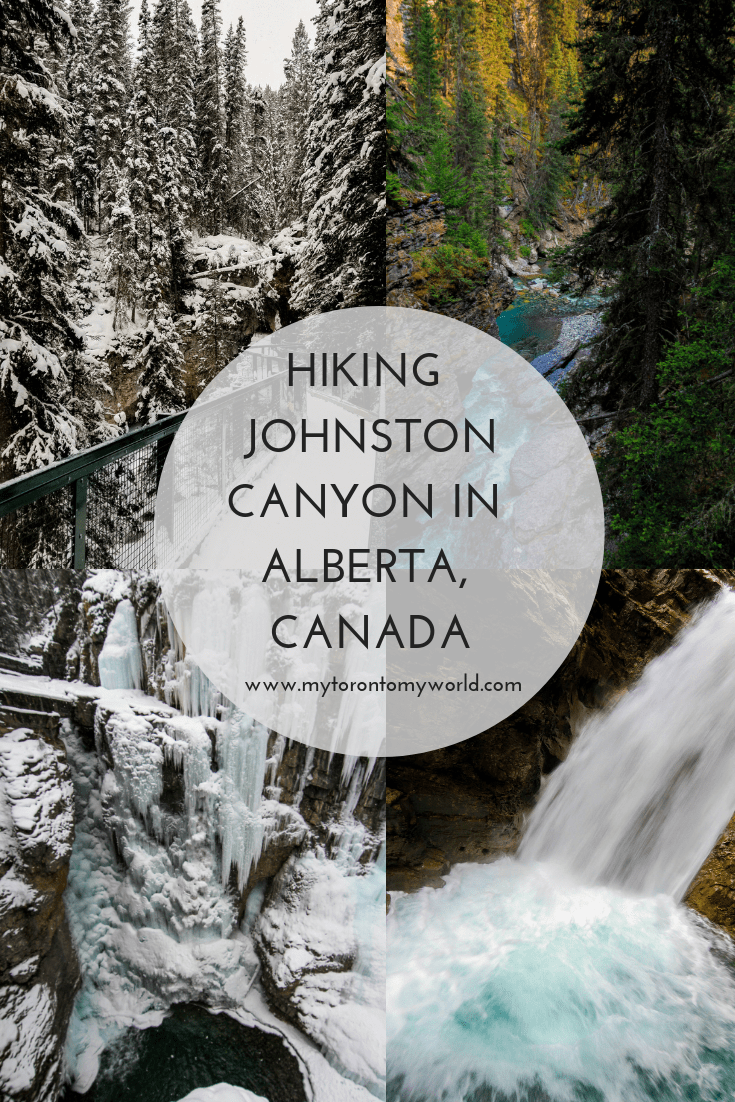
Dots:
pixel 119 661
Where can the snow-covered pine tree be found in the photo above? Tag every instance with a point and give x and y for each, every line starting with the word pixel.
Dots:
pixel 175 51
pixel 112 89
pixel 215 323
pixel 295 103
pixel 160 357
pixel 261 196
pixel 122 260
pixel 160 383
pixel 235 56
pixel 143 165
pixel 270 164
pixel 211 121
pixel 343 260
pixel 39 341
pixel 83 126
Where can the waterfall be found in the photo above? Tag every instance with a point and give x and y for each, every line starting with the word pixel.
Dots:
pixel 571 973
pixel 649 785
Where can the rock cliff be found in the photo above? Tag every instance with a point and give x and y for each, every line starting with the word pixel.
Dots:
pixel 39 973
pixel 419 276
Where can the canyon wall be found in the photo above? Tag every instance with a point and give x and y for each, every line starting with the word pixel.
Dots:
pixel 197 833
pixel 39 972
pixel 420 277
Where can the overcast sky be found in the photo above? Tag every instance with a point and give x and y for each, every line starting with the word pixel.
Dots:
pixel 269 29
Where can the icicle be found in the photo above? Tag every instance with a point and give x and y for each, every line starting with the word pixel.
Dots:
pixel 305 777
pixel 242 750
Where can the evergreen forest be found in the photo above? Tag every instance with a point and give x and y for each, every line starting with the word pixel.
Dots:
pixel 600 135
pixel 135 160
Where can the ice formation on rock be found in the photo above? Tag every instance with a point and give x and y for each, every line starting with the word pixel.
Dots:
pixel 183 822
pixel 119 661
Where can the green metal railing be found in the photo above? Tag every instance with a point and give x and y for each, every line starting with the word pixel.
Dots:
pixel 96 508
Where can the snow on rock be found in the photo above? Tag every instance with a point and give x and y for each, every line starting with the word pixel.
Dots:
pixel 35 796
pixel 288 242
pixel 224 251
pixel 222 1092
pixel 27 1029
pixel 36 834
pixel 319 938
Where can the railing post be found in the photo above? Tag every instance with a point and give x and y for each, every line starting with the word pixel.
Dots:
pixel 163 447
pixel 80 523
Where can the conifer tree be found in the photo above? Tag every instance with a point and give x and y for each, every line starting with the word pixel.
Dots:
pixel 494 22
pixel 296 99
pixel 214 321
pixel 497 187
pixel 39 340
pixel 234 59
pixel 255 199
pixel 148 160
pixel 112 91
pixel 122 260
pixel 211 120
pixel 550 168
pixel 160 382
pixel 426 85
pixel 83 126
pixel 174 54
pixel 342 262
pixel 655 71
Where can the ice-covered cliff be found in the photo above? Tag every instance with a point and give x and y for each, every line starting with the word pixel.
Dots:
pixel 213 860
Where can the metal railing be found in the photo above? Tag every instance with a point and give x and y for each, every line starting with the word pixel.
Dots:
pixel 96 508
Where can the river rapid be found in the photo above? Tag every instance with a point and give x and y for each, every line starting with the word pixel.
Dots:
pixel 572 972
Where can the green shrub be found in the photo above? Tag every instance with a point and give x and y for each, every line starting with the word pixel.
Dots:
pixel 467 237
pixel 670 472
pixel 451 271
pixel 525 250
pixel 392 185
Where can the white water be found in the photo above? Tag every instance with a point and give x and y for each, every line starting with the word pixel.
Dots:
pixel 649 785
pixel 571 973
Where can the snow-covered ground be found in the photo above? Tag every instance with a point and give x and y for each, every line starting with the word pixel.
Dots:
pixel 223 1092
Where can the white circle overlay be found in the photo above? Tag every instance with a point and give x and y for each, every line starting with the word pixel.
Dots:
pixel 379 531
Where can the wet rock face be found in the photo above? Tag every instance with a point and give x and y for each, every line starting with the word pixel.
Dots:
pixel 467 802
pixel 712 892
pixel 415 228
pixel 39 972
